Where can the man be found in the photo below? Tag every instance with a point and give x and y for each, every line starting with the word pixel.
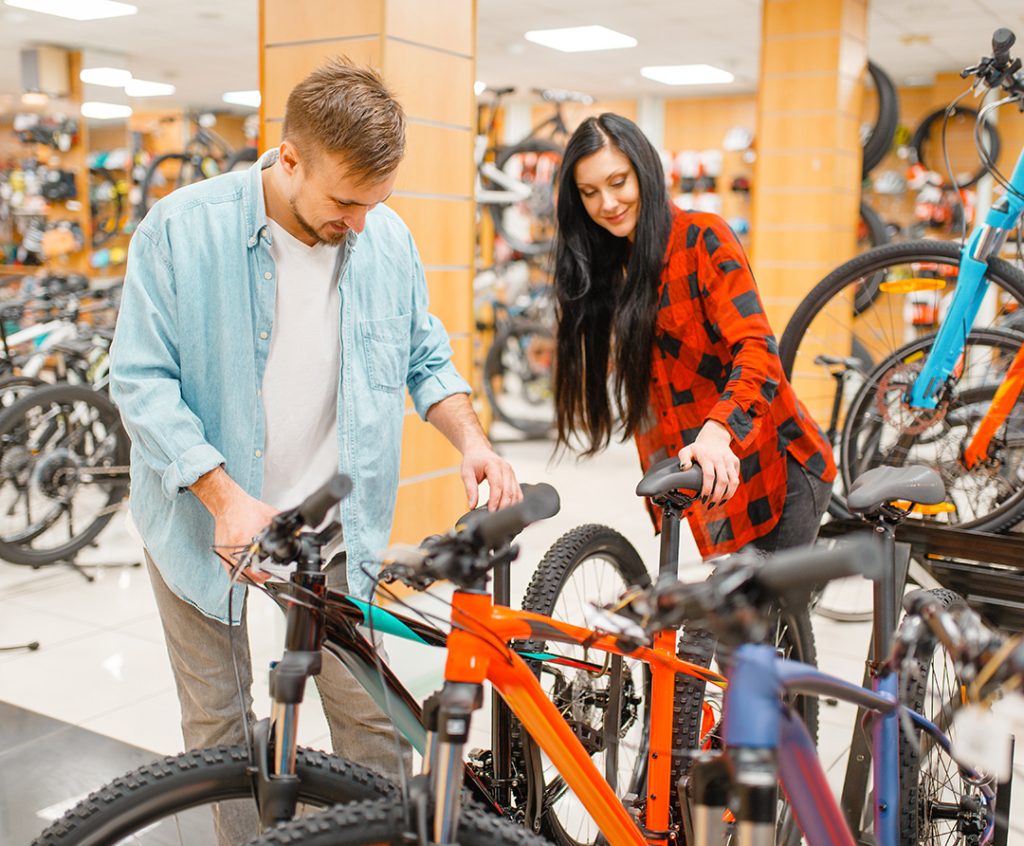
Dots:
pixel 270 324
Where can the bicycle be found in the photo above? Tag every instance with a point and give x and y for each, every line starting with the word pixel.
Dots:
pixel 517 182
pixel 477 651
pixel 906 393
pixel 272 771
pixel 206 154
pixel 519 363
pixel 733 789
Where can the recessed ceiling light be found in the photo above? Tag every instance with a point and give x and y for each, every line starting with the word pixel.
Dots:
pixel 580 39
pixel 144 88
pixel 110 77
pixel 479 87
pixel 687 74
pixel 105 111
pixel 34 98
pixel 243 98
pixel 77 10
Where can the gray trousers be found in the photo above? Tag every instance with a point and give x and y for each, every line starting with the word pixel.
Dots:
pixel 807 499
pixel 200 651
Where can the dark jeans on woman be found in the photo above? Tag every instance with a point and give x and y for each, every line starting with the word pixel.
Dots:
pixel 807 499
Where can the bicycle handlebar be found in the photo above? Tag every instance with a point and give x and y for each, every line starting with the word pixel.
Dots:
pixel 280 540
pixel 1002 40
pixel 1000 70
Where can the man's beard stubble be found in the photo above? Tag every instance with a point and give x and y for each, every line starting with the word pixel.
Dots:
pixel 333 241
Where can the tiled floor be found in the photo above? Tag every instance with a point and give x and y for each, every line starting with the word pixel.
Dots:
pixel 102 666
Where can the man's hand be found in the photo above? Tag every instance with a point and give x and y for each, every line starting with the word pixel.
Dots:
pixel 484 463
pixel 712 450
pixel 237 517
pixel 455 419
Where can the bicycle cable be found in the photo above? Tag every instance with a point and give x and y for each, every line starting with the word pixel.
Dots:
pixel 986 160
pixel 237 567
pixel 950 109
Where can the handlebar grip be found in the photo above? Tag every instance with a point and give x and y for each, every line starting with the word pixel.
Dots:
pixel 802 569
pixel 314 508
pixel 539 502
pixel 1002 40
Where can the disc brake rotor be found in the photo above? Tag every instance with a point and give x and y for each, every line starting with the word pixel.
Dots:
pixel 889 398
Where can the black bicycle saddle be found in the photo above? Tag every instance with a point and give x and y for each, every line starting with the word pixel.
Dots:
pixel 876 487
pixel 665 477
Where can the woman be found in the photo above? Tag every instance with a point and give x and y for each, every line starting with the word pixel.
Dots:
pixel 665 300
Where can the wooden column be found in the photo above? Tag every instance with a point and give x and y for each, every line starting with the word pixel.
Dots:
pixel 807 173
pixel 426 53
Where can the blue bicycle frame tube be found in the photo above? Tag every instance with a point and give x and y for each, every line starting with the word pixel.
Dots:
pixel 755 718
pixel 985 241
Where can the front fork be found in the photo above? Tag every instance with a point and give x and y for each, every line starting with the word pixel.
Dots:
pixel 447 716
pixel 275 741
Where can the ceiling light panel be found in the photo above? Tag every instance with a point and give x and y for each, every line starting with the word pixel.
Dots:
pixel 76 10
pixel 581 39
pixel 687 74
pixel 109 77
pixel 145 88
pixel 242 98
pixel 105 111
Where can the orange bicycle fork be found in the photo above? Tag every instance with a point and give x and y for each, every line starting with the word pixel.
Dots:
pixel 1005 399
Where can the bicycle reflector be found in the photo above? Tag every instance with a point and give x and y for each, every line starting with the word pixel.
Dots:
pixel 911 285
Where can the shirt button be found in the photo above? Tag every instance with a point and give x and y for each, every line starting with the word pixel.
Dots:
pixel 259 392
pixel 268 275
pixel 264 336
pixel 259 453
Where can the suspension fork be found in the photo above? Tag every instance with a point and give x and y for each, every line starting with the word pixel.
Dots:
pixel 1005 399
pixel 443 762
pixel 277 786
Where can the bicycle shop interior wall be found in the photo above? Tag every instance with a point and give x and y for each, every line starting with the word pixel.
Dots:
pixel 44 184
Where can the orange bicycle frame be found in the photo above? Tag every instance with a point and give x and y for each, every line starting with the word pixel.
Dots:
pixel 1005 399
pixel 478 651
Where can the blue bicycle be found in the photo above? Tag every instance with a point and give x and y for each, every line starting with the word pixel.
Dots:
pixel 932 373
pixel 731 793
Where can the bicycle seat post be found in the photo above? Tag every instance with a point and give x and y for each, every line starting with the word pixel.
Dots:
pixel 673 505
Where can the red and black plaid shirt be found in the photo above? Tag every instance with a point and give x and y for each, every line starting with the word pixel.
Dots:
pixel 715 358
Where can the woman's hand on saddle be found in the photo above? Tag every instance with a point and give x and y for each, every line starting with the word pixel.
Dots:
pixel 712 450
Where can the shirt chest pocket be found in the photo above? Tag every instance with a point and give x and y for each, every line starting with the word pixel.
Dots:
pixel 386 347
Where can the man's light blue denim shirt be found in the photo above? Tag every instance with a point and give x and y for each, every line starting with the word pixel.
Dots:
pixel 190 352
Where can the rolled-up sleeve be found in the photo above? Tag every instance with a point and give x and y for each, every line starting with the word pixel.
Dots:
pixel 432 376
pixel 145 373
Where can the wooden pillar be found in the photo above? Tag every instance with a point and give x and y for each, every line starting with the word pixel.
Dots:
pixel 426 53
pixel 807 173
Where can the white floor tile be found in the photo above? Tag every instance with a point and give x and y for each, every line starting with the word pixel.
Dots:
pixel 151 723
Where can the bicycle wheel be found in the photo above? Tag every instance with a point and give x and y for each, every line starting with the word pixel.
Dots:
pixel 387 822
pixel 879 139
pixel 171 171
pixel 167 802
pixel 528 227
pixel 927 144
pixel 828 314
pixel 13 388
pixel 517 376
pixel 931 785
pixel 793 636
pixel 63 472
pixel 595 564
pixel 881 429
pixel 241 159
pixel 872 233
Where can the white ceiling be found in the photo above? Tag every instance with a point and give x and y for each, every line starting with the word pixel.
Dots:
pixel 206 47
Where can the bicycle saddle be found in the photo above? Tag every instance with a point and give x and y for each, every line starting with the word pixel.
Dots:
pixel 665 477
pixel 876 487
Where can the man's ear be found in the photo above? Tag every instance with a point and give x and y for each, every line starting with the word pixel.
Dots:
pixel 288 156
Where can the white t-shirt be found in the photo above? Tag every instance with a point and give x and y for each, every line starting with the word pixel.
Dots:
pixel 300 384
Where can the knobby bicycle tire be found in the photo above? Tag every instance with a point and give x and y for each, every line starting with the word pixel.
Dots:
pixel 387 822
pixel 867 265
pixel 549 582
pixel 15 547
pixel 880 140
pixel 924 129
pixel 175 784
pixel 915 783
pixel 542 202
pixel 537 425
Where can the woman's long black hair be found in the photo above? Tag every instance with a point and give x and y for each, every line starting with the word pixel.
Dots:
pixel 607 292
